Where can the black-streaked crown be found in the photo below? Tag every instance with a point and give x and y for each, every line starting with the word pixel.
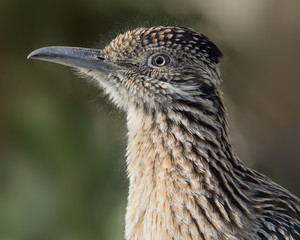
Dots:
pixel 179 38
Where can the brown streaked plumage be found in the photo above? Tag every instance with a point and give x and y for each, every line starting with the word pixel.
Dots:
pixel 185 180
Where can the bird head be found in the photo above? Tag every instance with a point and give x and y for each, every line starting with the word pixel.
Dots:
pixel 147 67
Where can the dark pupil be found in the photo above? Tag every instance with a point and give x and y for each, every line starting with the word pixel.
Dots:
pixel 159 60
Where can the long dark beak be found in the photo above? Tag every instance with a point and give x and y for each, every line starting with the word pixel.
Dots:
pixel 74 57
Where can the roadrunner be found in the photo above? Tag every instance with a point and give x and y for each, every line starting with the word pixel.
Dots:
pixel 185 181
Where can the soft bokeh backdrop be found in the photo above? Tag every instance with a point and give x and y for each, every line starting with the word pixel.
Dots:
pixel 62 145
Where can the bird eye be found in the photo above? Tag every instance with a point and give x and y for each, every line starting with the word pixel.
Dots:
pixel 159 60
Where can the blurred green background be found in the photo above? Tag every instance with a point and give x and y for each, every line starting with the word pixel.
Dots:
pixel 62 145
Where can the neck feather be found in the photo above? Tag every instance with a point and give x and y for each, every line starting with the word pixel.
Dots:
pixel 180 164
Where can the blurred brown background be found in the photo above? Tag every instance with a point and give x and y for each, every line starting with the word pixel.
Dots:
pixel 62 168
